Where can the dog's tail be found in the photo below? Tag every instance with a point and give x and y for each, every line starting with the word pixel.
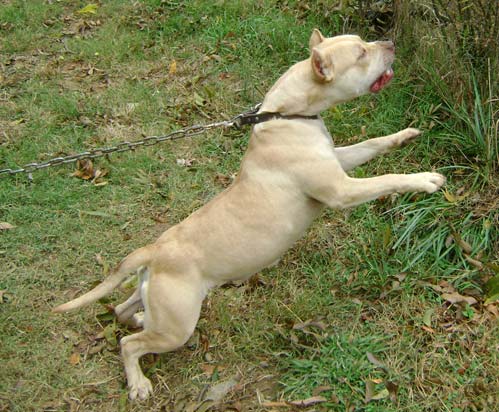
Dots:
pixel 133 262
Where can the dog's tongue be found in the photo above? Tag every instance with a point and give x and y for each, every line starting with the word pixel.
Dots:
pixel 382 81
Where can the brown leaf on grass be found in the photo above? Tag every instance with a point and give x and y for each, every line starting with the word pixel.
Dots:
pixel 6 226
pixel 96 348
pixel 465 246
pixel 173 67
pixel 85 170
pixel 309 401
pixel 280 404
pixel 375 361
pixel 458 298
pixel 319 389
pixel 392 390
pixel 490 308
pixel 428 329
pixel 224 180
pixel 217 392
pixel 2 293
pixel 442 287
pixel 256 281
pixel 371 393
pixel 370 386
pixel 474 262
pixel 300 403
pixel 209 368
pixel 310 323
pixel 74 359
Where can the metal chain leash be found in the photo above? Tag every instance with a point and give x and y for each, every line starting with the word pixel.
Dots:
pixel 126 146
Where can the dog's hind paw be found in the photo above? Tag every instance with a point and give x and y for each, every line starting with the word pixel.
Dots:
pixel 141 389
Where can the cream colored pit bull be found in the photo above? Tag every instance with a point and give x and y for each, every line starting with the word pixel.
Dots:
pixel 290 172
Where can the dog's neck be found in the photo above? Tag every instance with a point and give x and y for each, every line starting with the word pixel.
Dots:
pixel 298 92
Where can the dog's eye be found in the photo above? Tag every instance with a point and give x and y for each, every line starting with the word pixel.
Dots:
pixel 363 52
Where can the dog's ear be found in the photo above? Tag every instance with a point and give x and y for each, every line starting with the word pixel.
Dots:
pixel 315 39
pixel 322 65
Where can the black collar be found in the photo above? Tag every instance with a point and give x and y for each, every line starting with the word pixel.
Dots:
pixel 266 116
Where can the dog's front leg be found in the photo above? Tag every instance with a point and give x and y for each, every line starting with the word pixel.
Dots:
pixel 328 183
pixel 357 154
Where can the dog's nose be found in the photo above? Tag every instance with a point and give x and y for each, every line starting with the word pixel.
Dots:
pixel 387 44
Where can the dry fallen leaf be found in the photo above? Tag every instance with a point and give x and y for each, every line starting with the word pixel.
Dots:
pixel 309 401
pixel 375 361
pixel 474 262
pixel 280 404
pixel 371 394
pixel 393 390
pixel 442 287
pixel 74 359
pixel 490 308
pixel 369 391
pixel 319 389
pixel 218 391
pixel 428 329
pixel 223 180
pixel 97 348
pixel 85 170
pixel 458 298
pixel 465 246
pixel 173 67
pixel 310 323
pixel 210 368
pixel 6 226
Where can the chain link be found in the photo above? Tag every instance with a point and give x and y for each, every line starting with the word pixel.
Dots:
pixel 126 146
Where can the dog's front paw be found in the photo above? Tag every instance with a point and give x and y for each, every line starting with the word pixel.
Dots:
pixel 140 388
pixel 430 182
pixel 406 136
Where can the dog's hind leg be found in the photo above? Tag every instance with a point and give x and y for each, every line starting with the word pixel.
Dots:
pixel 172 304
pixel 126 312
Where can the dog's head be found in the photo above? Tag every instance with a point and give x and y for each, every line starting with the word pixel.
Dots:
pixel 353 66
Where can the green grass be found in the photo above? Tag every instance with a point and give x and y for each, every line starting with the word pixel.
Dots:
pixel 367 278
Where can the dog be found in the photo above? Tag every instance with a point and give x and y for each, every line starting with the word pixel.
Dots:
pixel 289 173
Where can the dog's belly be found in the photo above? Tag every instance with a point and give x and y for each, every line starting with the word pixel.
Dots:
pixel 245 230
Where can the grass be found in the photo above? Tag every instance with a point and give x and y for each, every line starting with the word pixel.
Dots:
pixel 367 280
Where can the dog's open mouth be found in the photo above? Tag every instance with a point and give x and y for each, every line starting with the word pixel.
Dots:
pixel 382 80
